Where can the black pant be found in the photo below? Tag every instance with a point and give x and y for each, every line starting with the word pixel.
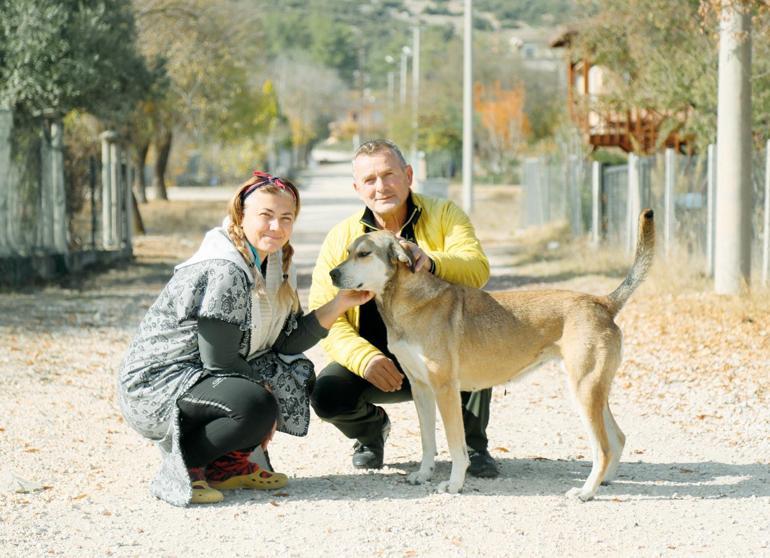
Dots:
pixel 347 401
pixel 222 414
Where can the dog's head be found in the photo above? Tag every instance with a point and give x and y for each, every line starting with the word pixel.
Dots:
pixel 372 261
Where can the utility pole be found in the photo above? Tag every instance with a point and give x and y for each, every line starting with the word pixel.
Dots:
pixel 405 52
pixel 468 108
pixel 391 84
pixel 732 257
pixel 415 90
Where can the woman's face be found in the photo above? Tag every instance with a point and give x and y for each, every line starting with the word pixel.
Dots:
pixel 268 220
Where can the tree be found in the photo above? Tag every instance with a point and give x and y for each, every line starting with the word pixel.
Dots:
pixel 505 126
pixel 309 96
pixel 59 55
pixel 209 52
pixel 662 55
pixel 72 61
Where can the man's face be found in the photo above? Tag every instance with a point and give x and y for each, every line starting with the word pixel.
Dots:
pixel 381 182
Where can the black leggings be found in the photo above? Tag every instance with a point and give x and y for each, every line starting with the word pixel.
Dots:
pixel 222 414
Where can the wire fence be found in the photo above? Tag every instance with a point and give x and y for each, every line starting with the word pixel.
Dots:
pixel 605 200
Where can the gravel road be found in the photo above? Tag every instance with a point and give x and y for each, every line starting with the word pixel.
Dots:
pixel 692 397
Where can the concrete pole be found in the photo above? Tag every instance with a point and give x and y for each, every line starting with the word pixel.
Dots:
pixel 128 212
pixel 668 201
pixel 468 108
pixel 60 228
pixel 596 203
pixel 106 138
pixel 766 243
pixel 711 177
pixel 732 256
pixel 405 52
pixel 6 184
pixel 43 225
pixel 117 199
pixel 415 90
pixel 633 203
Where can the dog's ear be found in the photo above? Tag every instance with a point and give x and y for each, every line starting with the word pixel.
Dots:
pixel 398 253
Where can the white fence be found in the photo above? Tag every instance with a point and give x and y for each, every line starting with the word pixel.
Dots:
pixel 47 227
pixel 605 200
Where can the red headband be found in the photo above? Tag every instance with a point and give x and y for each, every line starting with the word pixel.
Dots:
pixel 267 179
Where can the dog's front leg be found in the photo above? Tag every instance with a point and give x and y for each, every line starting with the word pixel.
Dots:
pixel 425 403
pixel 450 406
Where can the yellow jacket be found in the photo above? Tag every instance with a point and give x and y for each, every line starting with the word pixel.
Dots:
pixel 443 231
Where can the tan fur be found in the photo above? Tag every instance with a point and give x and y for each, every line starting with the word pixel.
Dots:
pixel 450 338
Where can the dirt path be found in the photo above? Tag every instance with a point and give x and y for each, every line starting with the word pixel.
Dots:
pixel 692 397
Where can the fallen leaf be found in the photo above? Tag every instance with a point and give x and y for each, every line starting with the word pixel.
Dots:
pixel 274 503
pixel 502 449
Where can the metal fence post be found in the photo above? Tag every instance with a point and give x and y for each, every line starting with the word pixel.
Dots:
pixel 668 201
pixel 596 203
pixel 711 198
pixel 544 187
pixel 766 243
pixel 576 203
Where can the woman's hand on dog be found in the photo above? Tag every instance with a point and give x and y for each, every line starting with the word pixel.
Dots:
pixel 383 374
pixel 341 303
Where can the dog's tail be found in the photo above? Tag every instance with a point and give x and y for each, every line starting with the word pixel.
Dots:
pixel 645 249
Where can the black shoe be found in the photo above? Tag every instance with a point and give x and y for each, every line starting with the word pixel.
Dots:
pixel 482 465
pixel 372 456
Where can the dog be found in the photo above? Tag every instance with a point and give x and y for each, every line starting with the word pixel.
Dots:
pixel 450 338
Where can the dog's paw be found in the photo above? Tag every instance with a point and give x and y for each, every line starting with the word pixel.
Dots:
pixel 419 477
pixel 449 487
pixel 579 494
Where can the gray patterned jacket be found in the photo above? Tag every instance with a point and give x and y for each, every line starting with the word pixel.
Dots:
pixel 163 361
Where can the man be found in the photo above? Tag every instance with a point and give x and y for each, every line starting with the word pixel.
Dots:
pixel 363 372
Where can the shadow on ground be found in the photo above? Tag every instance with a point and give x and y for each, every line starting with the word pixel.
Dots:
pixel 539 477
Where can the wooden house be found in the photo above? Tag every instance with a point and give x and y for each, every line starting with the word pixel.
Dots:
pixel 637 130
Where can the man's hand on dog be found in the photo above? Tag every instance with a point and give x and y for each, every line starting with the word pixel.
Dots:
pixel 383 374
pixel 421 259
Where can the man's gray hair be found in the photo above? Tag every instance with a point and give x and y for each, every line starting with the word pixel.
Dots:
pixel 377 146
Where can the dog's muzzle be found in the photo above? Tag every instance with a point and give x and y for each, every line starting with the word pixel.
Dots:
pixel 335 275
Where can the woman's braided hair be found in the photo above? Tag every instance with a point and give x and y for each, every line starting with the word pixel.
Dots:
pixel 270 185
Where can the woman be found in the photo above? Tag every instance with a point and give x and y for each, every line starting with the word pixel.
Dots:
pixel 216 365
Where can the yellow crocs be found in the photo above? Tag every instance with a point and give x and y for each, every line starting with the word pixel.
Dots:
pixel 258 480
pixel 202 493
pixel 234 470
